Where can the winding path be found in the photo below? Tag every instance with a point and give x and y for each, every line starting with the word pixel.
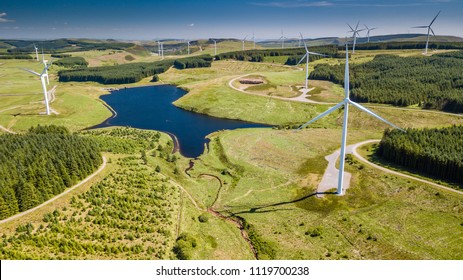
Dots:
pixel 103 165
pixel 301 98
pixel 353 150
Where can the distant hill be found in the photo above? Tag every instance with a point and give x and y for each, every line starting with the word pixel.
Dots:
pixel 294 42
pixel 62 45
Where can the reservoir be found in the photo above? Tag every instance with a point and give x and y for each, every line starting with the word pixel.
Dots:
pixel 152 108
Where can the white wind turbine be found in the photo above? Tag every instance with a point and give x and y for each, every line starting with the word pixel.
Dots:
pixel 306 56
pixel 368 31
pixel 254 40
pixel 345 103
pixel 242 41
pixel 429 29
pixel 44 61
pixel 215 47
pixel 355 33
pixel 44 85
pixel 36 52
pixel 188 46
pixel 282 38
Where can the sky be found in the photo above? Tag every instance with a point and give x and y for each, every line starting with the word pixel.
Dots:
pixel 202 19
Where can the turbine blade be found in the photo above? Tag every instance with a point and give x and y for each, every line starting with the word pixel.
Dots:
pixel 366 26
pixel 432 31
pixel 31 71
pixel 305 45
pixel 357 25
pixel 434 19
pixel 335 107
pixel 422 26
pixel 318 54
pixel 301 59
pixel 375 115
pixel 350 27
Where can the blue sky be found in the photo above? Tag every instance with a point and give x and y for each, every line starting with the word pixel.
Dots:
pixel 146 20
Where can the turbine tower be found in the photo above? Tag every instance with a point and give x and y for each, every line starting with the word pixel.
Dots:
pixel 429 29
pixel 282 38
pixel 254 40
pixel 161 49
pixel 345 103
pixel 368 31
pixel 188 43
pixel 215 47
pixel 355 33
pixel 36 52
pixel 44 85
pixel 44 61
pixel 306 56
pixel 242 41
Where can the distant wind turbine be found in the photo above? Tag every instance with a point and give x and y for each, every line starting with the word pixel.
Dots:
pixel 188 43
pixel 345 103
pixel 215 47
pixel 162 50
pixel 36 52
pixel 44 85
pixel 306 56
pixel 254 40
pixel 355 33
pixel 244 39
pixel 368 31
pixel 282 38
pixel 429 29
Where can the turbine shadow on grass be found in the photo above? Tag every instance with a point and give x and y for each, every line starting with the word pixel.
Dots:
pixel 256 209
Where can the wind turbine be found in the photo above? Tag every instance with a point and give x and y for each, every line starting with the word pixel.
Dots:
pixel 45 67
pixel 244 39
pixel 345 103
pixel 42 79
pixel 368 31
pixel 215 47
pixel 188 43
pixel 36 52
pixel 306 56
pixel 429 29
pixel 282 38
pixel 355 33
pixel 254 40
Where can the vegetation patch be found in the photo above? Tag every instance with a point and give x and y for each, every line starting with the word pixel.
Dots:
pixel 41 164
pixel 437 151
pixel 130 72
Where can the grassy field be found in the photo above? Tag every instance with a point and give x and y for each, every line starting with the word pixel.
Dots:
pixel 381 217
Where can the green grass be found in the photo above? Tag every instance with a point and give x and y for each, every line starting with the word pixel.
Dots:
pixel 381 217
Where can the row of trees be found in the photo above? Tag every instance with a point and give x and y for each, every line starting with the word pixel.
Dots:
pixel 65 45
pixel 130 72
pixel 14 56
pixel 295 54
pixel 437 151
pixel 434 82
pixel 41 164
pixel 72 62
pixel 194 62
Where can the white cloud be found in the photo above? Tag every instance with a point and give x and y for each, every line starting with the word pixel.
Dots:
pixel 3 19
pixel 191 24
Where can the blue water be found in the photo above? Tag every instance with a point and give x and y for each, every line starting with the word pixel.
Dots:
pixel 151 108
